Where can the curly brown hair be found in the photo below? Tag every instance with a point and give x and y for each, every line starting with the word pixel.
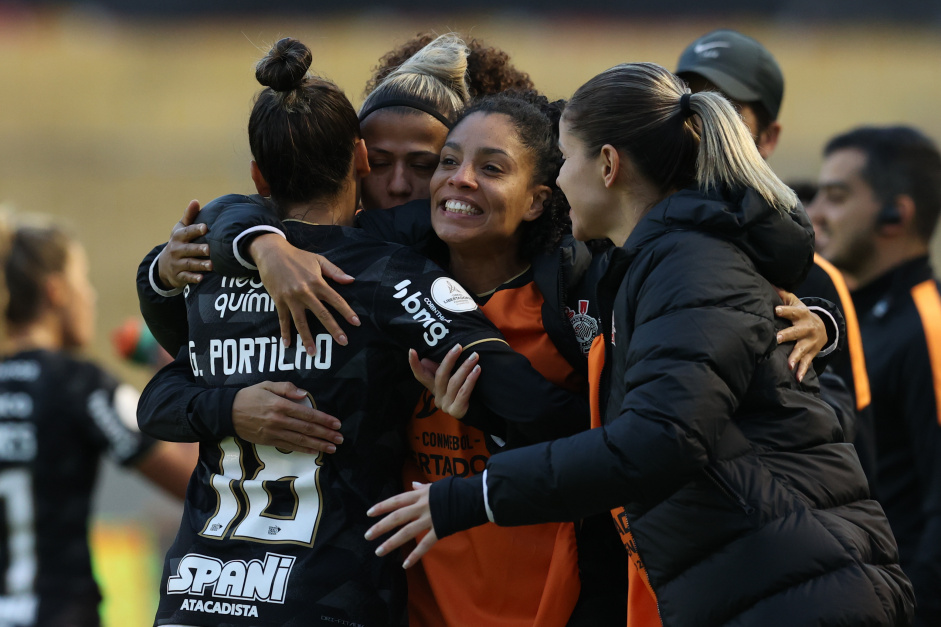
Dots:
pixel 489 70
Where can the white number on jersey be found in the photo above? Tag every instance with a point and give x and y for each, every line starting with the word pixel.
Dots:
pixel 284 482
pixel 16 499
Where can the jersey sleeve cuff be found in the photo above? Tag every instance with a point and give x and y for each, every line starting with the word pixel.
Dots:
pixel 155 281
pixel 833 330
pixel 243 237
pixel 486 497
pixel 457 504
pixel 210 413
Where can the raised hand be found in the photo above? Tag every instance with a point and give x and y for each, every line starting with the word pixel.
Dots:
pixel 451 391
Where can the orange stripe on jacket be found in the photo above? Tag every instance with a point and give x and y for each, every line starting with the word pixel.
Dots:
pixel 854 339
pixel 642 610
pixel 928 302
pixel 595 366
pixel 490 575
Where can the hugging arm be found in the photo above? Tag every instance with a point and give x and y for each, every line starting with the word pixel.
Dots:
pixel 248 238
pixel 164 313
pixel 174 407
pixel 165 272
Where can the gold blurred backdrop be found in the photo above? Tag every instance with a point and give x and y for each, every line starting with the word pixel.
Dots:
pixel 114 125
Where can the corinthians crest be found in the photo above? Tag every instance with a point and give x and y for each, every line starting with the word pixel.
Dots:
pixel 585 326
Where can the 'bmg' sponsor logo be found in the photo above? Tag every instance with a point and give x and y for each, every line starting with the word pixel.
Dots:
pixel 247 581
pixel 413 305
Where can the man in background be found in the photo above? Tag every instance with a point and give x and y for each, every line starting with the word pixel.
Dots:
pixel 748 75
pixel 875 213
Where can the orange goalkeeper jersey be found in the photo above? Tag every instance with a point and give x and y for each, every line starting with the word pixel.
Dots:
pixel 490 575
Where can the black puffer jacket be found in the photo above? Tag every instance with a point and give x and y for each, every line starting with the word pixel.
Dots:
pixel 746 506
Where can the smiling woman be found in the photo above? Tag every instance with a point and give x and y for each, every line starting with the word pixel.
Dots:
pixel 482 193
pixel 494 195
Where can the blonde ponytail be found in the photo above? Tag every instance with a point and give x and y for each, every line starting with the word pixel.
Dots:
pixel 644 110
pixel 728 156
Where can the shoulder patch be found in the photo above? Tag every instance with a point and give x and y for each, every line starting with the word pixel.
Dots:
pixel 448 294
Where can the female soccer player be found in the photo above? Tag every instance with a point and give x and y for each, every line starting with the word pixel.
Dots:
pixel 736 497
pixel 59 415
pixel 274 535
pixel 411 102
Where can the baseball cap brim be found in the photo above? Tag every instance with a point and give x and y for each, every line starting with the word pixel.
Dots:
pixel 728 85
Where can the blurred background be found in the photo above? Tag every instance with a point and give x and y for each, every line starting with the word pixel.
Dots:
pixel 114 114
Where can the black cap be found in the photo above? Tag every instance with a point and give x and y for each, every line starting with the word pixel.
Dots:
pixel 739 66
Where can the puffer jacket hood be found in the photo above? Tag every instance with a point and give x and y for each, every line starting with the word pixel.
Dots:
pixel 779 244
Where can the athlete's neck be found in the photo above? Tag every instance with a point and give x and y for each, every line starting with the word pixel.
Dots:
pixel 32 336
pixel 482 271
pixel 338 210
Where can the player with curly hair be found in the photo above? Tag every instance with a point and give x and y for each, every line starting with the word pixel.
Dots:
pixel 489 70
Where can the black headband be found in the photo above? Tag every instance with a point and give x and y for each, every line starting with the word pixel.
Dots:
pixel 408 102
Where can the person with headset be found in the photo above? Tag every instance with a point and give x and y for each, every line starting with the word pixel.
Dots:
pixel 878 205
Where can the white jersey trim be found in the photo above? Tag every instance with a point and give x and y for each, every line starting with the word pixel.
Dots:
pixel 255 229
pixel 820 311
pixel 487 500
pixel 155 285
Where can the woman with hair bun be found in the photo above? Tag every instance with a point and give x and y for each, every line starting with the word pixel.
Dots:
pixel 273 527
pixel 737 499
pixel 59 416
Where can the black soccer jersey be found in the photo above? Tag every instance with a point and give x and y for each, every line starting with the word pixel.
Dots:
pixel 275 538
pixel 58 415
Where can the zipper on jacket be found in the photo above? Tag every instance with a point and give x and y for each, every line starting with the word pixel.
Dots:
pixel 563 297
pixel 727 489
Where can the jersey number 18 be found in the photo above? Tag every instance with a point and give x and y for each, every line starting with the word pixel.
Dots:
pixel 282 495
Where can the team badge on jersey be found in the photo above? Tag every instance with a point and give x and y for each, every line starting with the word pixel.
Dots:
pixel 584 325
pixel 449 294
